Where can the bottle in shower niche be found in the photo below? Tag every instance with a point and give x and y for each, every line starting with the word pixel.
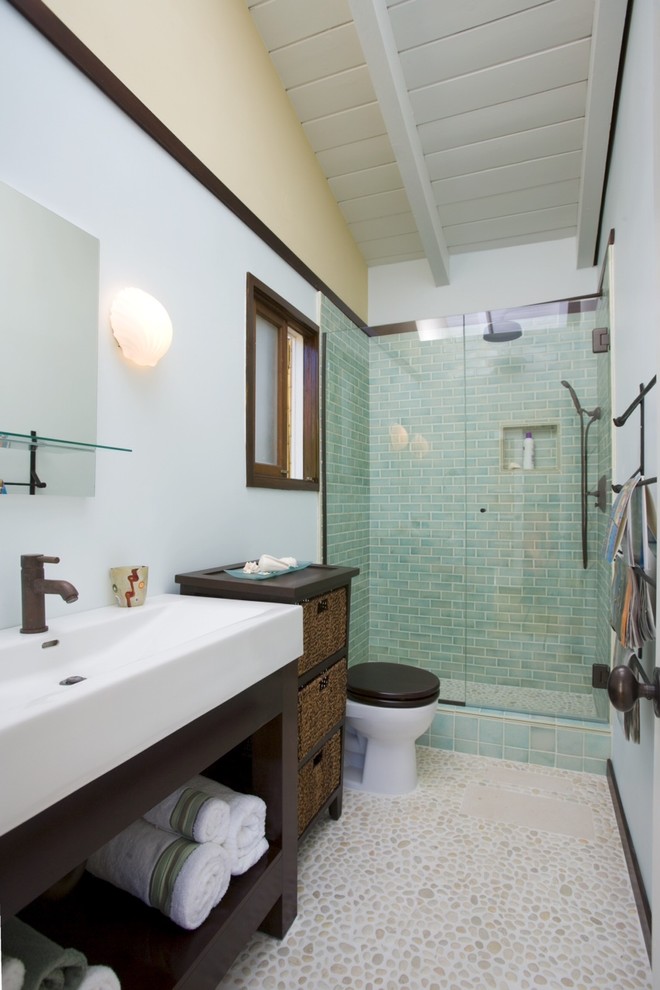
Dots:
pixel 528 452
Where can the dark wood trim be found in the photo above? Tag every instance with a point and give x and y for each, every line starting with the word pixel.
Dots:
pixel 636 880
pixel 311 426
pixel 58 34
pixel 323 449
pixel 385 329
pixel 515 312
pixel 613 124
pixel 278 302
pixel 265 302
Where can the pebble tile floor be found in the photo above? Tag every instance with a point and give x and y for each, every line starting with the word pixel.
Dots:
pixel 458 887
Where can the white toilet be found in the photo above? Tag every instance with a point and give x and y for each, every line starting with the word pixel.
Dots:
pixel 389 706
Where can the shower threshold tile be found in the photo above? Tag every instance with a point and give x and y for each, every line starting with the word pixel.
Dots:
pixel 498 699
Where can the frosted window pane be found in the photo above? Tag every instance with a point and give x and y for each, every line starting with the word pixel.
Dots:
pixel 265 441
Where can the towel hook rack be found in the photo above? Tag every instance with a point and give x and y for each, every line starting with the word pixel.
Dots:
pixel 623 418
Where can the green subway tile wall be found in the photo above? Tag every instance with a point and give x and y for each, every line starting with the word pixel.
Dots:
pixel 476 564
pixel 470 566
pixel 346 461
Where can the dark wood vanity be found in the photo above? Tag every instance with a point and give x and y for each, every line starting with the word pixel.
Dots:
pixel 248 742
pixel 281 738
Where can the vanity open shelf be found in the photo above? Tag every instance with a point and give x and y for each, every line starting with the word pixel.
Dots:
pixel 248 742
pixel 32 442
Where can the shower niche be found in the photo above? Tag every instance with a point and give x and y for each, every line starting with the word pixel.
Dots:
pixel 546 447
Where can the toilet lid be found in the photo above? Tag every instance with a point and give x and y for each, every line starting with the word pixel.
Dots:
pixel 392 685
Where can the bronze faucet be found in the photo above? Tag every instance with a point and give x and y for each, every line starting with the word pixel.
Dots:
pixel 35 587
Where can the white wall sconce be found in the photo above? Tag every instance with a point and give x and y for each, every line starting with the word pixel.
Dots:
pixel 141 326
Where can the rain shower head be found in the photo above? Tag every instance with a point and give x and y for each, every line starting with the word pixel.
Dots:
pixel 499 332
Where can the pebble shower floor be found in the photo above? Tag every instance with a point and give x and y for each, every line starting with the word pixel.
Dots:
pixel 492 875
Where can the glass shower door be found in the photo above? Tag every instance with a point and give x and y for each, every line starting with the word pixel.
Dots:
pixel 417 500
pixel 531 606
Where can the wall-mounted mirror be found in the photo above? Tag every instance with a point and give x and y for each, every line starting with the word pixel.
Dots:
pixel 49 287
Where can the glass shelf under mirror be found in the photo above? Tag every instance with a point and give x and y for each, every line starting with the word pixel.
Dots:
pixel 8 439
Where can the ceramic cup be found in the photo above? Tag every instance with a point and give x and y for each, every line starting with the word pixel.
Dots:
pixel 129 585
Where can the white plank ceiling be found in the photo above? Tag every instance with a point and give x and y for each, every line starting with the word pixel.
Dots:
pixel 446 126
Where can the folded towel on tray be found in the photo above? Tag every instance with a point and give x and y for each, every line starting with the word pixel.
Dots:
pixel 268 563
pixel 100 978
pixel 246 837
pixel 183 879
pixel 13 973
pixel 47 965
pixel 192 813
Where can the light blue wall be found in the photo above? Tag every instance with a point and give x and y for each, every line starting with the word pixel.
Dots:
pixel 631 211
pixel 179 501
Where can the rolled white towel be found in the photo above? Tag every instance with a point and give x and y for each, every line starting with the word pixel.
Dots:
pixel 100 978
pixel 192 813
pixel 46 964
pixel 246 836
pixel 242 861
pixel 268 564
pixel 13 973
pixel 183 879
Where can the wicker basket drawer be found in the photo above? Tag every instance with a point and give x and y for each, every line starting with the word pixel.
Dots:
pixel 317 779
pixel 321 705
pixel 324 628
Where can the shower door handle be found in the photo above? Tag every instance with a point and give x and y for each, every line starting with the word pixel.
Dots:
pixel 624 689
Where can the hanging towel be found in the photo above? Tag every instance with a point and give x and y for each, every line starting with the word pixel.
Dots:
pixel 13 973
pixel 99 978
pixel 47 966
pixel 192 813
pixel 246 837
pixel 183 879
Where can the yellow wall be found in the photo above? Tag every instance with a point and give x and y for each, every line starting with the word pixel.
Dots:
pixel 202 69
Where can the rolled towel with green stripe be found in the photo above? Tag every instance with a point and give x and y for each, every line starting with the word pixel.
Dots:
pixel 182 879
pixel 246 839
pixel 192 813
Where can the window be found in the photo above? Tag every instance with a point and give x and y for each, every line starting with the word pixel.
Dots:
pixel 282 393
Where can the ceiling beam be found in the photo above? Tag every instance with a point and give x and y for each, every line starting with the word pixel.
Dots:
pixel 606 42
pixel 377 40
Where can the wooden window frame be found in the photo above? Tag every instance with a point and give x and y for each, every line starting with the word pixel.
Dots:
pixel 263 301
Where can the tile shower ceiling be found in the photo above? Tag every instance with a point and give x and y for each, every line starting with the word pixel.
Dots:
pixel 446 126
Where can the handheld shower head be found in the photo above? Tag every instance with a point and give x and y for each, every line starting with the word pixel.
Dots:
pixel 594 414
pixel 574 397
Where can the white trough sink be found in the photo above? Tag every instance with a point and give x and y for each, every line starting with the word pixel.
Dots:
pixel 134 676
